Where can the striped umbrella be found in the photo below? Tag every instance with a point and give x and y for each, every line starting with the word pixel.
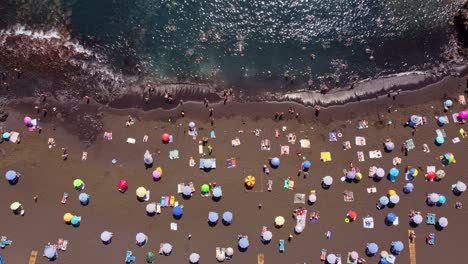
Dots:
pixel 249 181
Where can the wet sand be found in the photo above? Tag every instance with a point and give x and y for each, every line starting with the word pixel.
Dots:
pixel 45 174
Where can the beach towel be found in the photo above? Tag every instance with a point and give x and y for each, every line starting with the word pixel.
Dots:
pixel 299 198
pixel 462 132
pixel 131 140
pixel 173 226
pixel 231 163
pixel 14 137
pixel 461 99
pixel 174 154
pixel 202 163
pixel 410 144
pixel 348 196
pixel 286 184
pixel 372 189
pixel 360 141
pixel 375 154
pixel 158 208
pixel 193 132
pixel 325 156
pixel 180 187
pixel 396 161
pixel 145 138
pixel 84 156
pixel 430 169
pixel 396 222
pixel 361 157
pixel 368 222
pixel 108 135
pixel 284 150
pixel 305 143
pixel 456 140
pixel 212 134
pixel 265 144
pixel 441 132
pixel 332 137
pixel 235 142
pixel 270 185
pixel 362 124
pixel 163 200
pixel 372 171
pixel 291 185
pixel 346 145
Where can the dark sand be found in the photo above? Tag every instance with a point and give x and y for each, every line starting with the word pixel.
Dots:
pixel 45 174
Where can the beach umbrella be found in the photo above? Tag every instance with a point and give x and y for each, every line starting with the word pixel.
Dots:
pixel 448 103
pixel 312 198
pixel 384 200
pixel 441 120
pixel 397 246
pixel 417 219
pixel 229 251
pixel 442 199
pixel 449 157
pixel 165 137
pixel 148 158
pixel 327 180
pixel 151 208
pixel 6 135
pixel 217 192
pixel 394 199
pixel 431 176
pixel 279 221
pixel 440 174
pixel 443 222
pixel 194 258
pixel 140 238
pixel 439 140
pixel 84 198
pixel 306 165
pixel 352 215
pixel 358 176
pixel 106 236
pixel 67 217
pixel 123 185
pixel 11 175
pixel 249 181
pixel 207 164
pixel 75 220
pixel 205 188
pixel 15 206
pixel 275 162
pixel 27 120
pixel 227 217
pixel 389 146
pixel 383 254
pixel 167 248
pixel 460 186
pixel 434 197
pixel 78 183
pixel 463 114
pixel 299 228
pixel 140 192
pixel 177 211
pixel 157 173
pixel 409 187
pixel 413 172
pixel 351 175
pixel 380 173
pixel 391 192
pixel 267 235
pixel 415 119
pixel 331 258
pixel 213 217
pixel 149 257
pixel 354 255
pixel 191 125
pixel 243 243
pixel 391 217
pixel 372 248
pixel 187 191
pixel 394 172
pixel 49 252
pixel 221 257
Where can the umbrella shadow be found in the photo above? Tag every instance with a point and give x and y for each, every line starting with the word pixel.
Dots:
pixel 212 224
pixel 376 179
pixel 226 223
pixel 388 223
pixel 186 197
pixel 106 242
pixel 77 225
pixel 177 217
pixel 265 242
pixel 368 254
pixel 391 205
pixel 413 224
pixel 241 249
pixel 148 166
pixel 13 182
pixel 325 187
pixel 310 203
pixel 151 214
pixel 438 227
pixel 216 199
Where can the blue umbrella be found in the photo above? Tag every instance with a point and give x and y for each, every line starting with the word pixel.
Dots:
pixel 243 243
pixel 191 125
pixel 442 120
pixel 415 119
pixel 275 162
pixel 383 200
pixel 351 175
pixel 412 172
pixel 389 146
pixel 217 192
pixel 187 191
pixel 11 175
pixel 391 217
pixel 177 211
pixel 440 140
pixel 397 246
pixel 84 198
pixel 306 165
pixel 380 172
pixel 207 164
pixel 227 217
pixel 383 261
pixel 408 187
pixel 394 172
pixel 75 220
pixel 448 103
pixel 213 217
pixel 372 248
pixel 6 135
pixel 442 199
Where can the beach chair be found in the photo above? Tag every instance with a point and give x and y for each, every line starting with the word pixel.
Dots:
pixel 32 257
pixel 218 251
pixel 430 239
pixel 361 157
pixel 270 185
pixel 5 242
pixel 128 257
pixel 286 184
pixel 158 208
pixel 172 201
pixel 260 258
pixel 281 245
pixel 192 187
pixel 323 255
pixel 264 229
pixel 163 201
pixel 338 258
pixel 430 219
pixel 64 198
pixel 291 185
pixel 167 201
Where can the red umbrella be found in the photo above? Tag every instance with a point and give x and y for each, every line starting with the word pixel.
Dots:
pixel 165 137
pixel 431 176
pixel 123 185
pixel 352 215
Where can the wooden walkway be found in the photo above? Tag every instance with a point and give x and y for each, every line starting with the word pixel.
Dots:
pixel 260 258
pixel 33 257
pixel 412 248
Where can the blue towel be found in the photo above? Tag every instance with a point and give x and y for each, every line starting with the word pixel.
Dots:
pixel 212 134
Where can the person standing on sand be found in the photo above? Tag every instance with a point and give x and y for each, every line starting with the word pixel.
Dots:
pixel 87 99
pixel 64 153
pixel 211 111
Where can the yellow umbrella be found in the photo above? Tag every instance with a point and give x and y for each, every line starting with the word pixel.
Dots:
pixel 250 181
pixel 359 176
pixel 140 192
pixel 159 169
pixel 391 192
pixel 67 217
pixel 279 221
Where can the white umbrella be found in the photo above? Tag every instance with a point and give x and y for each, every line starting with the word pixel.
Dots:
pixel 221 257
pixel 434 197
pixel 299 229
pixel 106 236
pixel 229 251
pixel 194 258
pixel 327 180
pixel 443 222
pixel 460 186
pixel 415 119
pixel 187 191
pixel 49 253
pixel 167 248
pixel 417 219
pixel 380 173
pixel 140 238
pixel 267 235
pixel 312 198
pixel 151 208
pixel 331 258
pixel 394 199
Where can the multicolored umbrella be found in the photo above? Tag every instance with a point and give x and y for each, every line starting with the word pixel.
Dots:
pixel 440 174
pixel 249 181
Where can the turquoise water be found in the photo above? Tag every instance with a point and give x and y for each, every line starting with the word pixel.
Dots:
pixel 255 43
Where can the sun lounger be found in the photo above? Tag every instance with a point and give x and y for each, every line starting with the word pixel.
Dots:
pixel 430 219
pixel 281 245
pixel 174 154
pixel 305 143
pixel 368 222
pixel 172 201
pixel 33 257
pixel 163 201
pixel 338 258
pixel 323 255
pixel 260 258
pixel 361 157
pixel 332 137
pixel 284 150
pixel 270 185
pixel 84 156
pixel 15 137
pixel 430 239
pixel 325 156
pixel 286 184
pixel 192 187
pixel 291 185
pixel 158 208
pixel 212 134
pixel 64 198
pixel 265 144
pixel 360 141
pixel 167 201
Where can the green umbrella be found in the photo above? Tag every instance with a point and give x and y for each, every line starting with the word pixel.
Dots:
pixel 77 183
pixel 205 188
pixel 150 257
pixel 15 206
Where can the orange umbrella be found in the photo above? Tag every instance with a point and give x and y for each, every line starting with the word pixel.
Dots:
pixel 249 181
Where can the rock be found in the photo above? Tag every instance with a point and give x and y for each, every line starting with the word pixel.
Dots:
pixel 461 24
pixel 3 115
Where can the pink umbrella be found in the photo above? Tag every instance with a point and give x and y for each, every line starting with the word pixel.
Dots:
pixel 123 185
pixel 463 114
pixel 157 174
pixel 27 120
pixel 354 255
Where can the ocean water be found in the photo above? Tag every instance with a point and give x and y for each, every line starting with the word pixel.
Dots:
pixel 254 45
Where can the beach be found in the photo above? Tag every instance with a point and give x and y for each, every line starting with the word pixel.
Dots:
pixel 80 128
